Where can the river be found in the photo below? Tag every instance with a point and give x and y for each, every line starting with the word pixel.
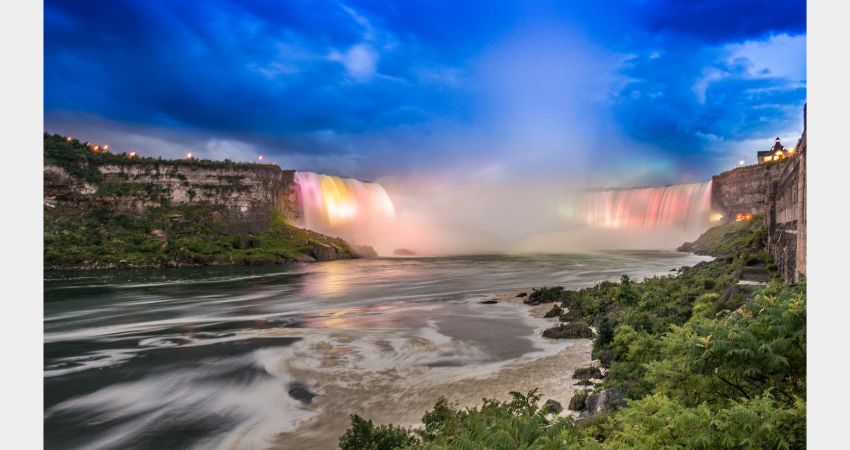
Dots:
pixel 279 356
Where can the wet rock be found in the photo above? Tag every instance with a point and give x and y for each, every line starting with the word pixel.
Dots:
pixel 300 392
pixel 577 402
pixel 687 247
pixel 521 294
pixel 489 302
pixel 552 407
pixel 544 295
pixel 323 252
pixel 571 315
pixel 303 258
pixel 583 383
pixel 604 401
pixel 554 312
pixel 364 251
pixel 171 264
pixel 572 330
pixel 586 373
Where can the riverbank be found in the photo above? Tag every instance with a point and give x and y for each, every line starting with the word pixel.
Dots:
pixel 698 359
pixel 401 394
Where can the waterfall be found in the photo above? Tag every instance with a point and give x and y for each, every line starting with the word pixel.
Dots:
pixel 685 207
pixel 342 207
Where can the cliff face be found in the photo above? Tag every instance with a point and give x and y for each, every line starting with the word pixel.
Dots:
pixel 104 210
pixel 247 196
pixel 742 190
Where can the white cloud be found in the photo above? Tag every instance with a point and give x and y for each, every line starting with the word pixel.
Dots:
pixel 781 55
pixel 360 61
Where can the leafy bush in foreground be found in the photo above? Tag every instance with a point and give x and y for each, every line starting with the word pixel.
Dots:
pixel 363 435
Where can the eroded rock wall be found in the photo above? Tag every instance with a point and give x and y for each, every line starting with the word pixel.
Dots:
pixel 249 196
pixel 743 190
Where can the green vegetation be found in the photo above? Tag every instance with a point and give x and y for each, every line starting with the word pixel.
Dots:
pixel 174 235
pixel 703 361
pixel 727 239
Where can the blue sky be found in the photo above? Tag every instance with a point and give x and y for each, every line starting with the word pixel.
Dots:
pixel 618 92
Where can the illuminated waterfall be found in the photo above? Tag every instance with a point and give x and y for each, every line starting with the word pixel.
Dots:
pixel 343 207
pixel 684 207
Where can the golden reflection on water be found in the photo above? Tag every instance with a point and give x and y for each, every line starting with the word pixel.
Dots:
pixel 372 317
pixel 332 280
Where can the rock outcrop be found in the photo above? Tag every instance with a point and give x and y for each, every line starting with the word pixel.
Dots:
pixel 604 401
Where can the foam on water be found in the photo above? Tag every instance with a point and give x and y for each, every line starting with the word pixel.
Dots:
pixel 230 364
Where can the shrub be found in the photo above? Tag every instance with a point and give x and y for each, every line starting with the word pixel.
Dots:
pixel 545 295
pixel 577 402
pixel 572 330
pixel 363 435
pixel 586 373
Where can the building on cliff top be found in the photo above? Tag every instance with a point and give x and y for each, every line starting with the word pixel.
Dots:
pixel 777 152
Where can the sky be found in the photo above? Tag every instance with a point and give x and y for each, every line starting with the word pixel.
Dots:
pixel 617 93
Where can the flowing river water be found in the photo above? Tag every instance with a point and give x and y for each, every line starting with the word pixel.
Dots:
pixel 278 357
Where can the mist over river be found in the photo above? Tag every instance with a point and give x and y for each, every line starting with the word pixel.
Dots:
pixel 279 356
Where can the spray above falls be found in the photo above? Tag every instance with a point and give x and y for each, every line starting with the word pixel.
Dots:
pixel 685 207
pixel 351 209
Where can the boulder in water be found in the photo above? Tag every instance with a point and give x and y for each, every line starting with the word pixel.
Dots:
pixel 521 294
pixel 572 330
pixel 552 407
pixel 489 302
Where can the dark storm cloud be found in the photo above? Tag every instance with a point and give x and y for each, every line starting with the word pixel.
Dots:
pixel 366 86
